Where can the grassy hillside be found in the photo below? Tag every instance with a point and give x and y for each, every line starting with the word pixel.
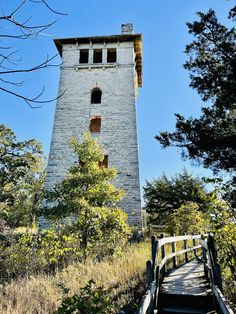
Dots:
pixel 122 276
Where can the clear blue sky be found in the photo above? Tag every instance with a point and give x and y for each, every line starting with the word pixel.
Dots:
pixel 165 88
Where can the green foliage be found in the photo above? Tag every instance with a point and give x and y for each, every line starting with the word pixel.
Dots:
pixel 163 196
pixel 187 219
pixel 224 227
pixel 211 138
pixel 87 194
pixel 34 253
pixel 90 299
pixel 21 179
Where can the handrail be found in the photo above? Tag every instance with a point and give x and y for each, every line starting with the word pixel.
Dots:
pixel 213 273
pixel 156 271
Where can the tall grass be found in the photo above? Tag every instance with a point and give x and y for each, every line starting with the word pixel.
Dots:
pixel 122 276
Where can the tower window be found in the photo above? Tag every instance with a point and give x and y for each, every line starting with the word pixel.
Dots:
pixel 96 96
pixel 84 55
pixel 95 124
pixel 104 163
pixel 111 55
pixel 97 56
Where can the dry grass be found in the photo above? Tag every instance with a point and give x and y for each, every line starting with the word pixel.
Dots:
pixel 123 276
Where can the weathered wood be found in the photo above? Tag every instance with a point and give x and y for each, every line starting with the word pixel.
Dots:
pixel 220 301
pixel 167 257
pixel 163 241
pixel 186 253
pixel 194 251
pixel 147 299
pixel 163 268
pixel 186 280
pixel 212 247
pixel 203 244
pixel 149 272
pixel 153 246
pixel 174 260
pixel 157 287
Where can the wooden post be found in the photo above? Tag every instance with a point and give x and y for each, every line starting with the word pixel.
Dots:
pixel 186 253
pixel 149 272
pixel 157 287
pixel 194 244
pixel 163 254
pixel 174 260
pixel 204 257
pixel 153 243
pixel 154 256
pixel 212 247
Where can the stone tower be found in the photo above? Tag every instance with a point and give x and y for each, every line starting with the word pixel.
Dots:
pixel 101 76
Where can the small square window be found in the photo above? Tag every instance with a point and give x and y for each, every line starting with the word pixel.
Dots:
pixel 97 56
pixel 111 55
pixel 95 124
pixel 84 54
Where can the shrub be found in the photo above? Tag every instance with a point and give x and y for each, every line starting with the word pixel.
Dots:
pixel 90 299
pixel 31 254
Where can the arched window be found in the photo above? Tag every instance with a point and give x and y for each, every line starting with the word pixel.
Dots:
pixel 96 96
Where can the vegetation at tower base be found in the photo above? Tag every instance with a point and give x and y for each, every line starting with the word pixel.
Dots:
pixel 211 138
pixel 164 196
pixel 21 179
pixel 87 196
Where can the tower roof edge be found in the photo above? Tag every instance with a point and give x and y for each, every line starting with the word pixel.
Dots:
pixel 136 38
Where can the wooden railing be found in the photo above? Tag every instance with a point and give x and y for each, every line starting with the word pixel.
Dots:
pixel 213 274
pixel 156 269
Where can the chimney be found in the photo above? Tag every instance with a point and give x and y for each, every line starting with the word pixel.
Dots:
pixel 127 28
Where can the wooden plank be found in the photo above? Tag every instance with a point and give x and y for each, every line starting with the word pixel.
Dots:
pixel 178 238
pixel 203 244
pixel 147 299
pixel 166 258
pixel 221 302
pixel 186 280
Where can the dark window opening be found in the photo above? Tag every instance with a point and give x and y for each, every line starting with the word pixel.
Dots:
pixel 96 96
pixel 111 55
pixel 84 55
pixel 95 124
pixel 97 56
pixel 104 163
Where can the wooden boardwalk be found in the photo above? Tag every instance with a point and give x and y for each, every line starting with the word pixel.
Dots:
pixel 193 288
pixel 188 279
pixel 186 290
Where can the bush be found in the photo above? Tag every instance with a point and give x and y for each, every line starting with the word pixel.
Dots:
pixel 90 299
pixel 31 254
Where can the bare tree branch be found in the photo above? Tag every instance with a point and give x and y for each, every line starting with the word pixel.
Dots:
pixel 15 28
pixel 31 101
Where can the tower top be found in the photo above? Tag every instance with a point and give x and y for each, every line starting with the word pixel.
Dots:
pixel 125 36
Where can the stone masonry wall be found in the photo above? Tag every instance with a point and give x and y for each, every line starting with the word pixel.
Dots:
pixel 118 135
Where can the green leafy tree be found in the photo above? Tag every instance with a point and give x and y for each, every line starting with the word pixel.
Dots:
pixel 87 196
pixel 211 138
pixel 163 195
pixel 188 219
pixel 21 178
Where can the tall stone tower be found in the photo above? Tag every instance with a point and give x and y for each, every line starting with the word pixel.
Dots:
pixel 101 76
